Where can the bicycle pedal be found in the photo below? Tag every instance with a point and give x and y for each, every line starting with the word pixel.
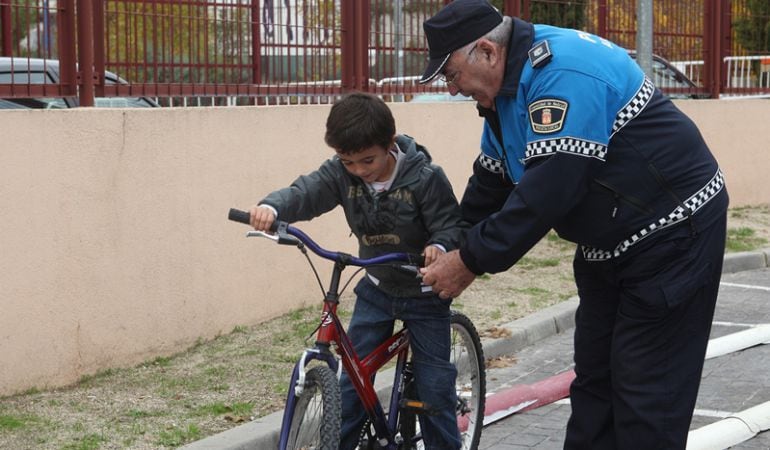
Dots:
pixel 415 406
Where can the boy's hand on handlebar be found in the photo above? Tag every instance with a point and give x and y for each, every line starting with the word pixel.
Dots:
pixel 431 253
pixel 261 218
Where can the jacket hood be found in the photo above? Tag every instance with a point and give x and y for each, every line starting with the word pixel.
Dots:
pixel 416 157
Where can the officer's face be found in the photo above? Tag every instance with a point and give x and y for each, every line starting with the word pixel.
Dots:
pixel 476 72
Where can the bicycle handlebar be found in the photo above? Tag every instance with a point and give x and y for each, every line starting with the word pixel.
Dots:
pixel 290 235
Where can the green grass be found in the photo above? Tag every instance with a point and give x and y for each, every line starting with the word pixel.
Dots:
pixel 529 263
pixel 31 391
pixel 558 243
pixel 139 414
pixel 160 361
pixel 219 408
pixel 743 239
pixel 90 441
pixel 176 436
pixel 741 212
pixel 538 297
pixel 534 291
pixel 12 422
pixel 89 380
pixel 216 371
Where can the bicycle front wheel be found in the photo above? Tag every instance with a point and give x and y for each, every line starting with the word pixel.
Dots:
pixel 315 424
pixel 468 358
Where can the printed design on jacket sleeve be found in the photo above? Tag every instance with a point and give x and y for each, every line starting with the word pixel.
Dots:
pixel 569 145
pixel 693 204
pixel 547 115
pixel 635 106
pixel 491 164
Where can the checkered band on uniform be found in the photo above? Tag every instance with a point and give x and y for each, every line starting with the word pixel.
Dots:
pixel 692 204
pixel 569 145
pixel 635 106
pixel 491 164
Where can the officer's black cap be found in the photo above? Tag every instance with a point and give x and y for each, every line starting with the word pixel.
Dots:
pixel 455 26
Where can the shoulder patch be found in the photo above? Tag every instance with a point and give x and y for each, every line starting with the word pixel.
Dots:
pixel 540 54
pixel 547 115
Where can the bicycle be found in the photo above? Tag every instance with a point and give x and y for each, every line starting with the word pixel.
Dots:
pixel 311 417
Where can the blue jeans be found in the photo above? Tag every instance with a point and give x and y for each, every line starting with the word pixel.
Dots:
pixel 428 321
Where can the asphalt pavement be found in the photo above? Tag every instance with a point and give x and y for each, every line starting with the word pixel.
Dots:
pixel 731 383
pixel 527 405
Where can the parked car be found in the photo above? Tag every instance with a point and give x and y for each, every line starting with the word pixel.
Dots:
pixel 42 71
pixel 666 75
pixel 439 97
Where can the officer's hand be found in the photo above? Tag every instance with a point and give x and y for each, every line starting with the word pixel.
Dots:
pixel 447 275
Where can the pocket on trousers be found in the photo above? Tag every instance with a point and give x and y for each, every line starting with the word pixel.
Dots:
pixel 654 299
pixel 685 288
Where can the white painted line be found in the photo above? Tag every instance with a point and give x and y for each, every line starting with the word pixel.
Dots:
pixel 732 430
pixel 738 341
pixel 697 412
pixel 745 286
pixel 712 413
pixel 740 325
pixel 502 414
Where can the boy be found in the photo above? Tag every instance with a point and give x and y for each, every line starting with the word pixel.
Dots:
pixel 394 200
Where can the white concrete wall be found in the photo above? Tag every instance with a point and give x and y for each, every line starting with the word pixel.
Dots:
pixel 115 244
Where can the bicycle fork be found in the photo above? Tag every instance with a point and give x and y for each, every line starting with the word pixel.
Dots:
pixel 297 385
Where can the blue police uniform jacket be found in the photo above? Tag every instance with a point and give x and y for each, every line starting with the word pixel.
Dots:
pixel 580 141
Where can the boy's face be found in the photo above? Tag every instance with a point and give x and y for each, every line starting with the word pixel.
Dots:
pixel 370 164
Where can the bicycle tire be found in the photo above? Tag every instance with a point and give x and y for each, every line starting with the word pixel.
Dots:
pixel 471 384
pixel 467 355
pixel 315 423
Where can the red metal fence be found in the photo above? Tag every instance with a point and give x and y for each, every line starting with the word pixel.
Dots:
pixel 309 51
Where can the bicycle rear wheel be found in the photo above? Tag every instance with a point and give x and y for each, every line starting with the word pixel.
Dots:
pixel 468 358
pixel 315 424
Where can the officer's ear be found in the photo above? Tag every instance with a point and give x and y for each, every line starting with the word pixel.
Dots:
pixel 489 51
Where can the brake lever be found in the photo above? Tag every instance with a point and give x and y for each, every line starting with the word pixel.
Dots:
pixel 281 238
pixel 408 269
pixel 255 233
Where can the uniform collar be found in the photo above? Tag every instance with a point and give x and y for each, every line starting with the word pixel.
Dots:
pixel 522 37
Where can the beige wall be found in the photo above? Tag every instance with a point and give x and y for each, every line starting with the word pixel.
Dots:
pixel 115 244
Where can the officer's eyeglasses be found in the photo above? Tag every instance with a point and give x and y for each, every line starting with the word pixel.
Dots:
pixel 451 78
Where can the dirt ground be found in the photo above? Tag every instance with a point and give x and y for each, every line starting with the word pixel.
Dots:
pixel 219 384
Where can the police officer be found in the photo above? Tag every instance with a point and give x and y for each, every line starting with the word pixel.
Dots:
pixel 578 140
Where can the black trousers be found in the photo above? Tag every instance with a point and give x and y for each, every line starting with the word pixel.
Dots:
pixel 641 333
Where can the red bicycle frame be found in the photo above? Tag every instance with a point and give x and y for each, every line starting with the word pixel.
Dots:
pixel 361 371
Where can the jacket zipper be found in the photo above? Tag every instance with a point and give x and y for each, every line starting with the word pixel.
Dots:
pixel 619 198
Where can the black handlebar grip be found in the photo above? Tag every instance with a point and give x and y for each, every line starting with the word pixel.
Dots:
pixel 237 215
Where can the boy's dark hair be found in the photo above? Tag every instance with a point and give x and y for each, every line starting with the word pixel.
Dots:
pixel 358 121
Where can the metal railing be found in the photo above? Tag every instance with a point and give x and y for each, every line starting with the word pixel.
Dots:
pixel 233 52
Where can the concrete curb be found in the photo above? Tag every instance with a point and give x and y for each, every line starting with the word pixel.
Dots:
pixel 737 262
pixel 263 433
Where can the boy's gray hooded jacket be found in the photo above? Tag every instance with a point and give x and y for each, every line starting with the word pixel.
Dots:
pixel 419 209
